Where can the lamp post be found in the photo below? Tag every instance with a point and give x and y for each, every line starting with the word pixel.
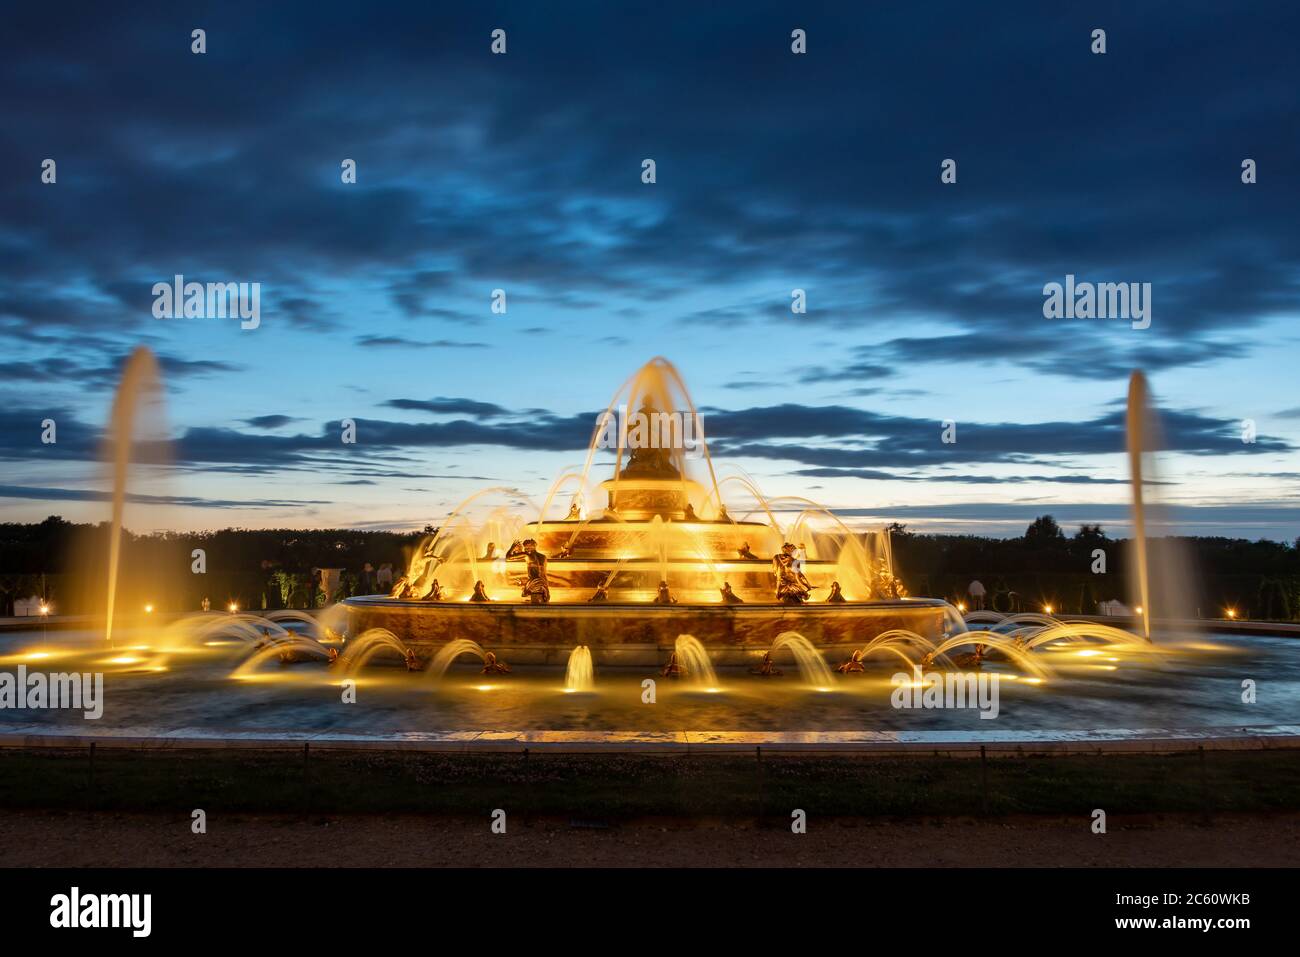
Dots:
pixel 45 614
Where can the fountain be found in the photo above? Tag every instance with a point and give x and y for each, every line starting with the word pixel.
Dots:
pixel 667 554
pixel 1160 572
pixel 453 650
pixel 812 666
pixel 579 674
pixel 694 662
pixel 138 387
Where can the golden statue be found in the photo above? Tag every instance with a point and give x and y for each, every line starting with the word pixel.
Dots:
pixel 792 586
pixel 480 592
pixel 836 597
pixel 852 666
pixel 767 668
pixel 674 668
pixel 729 597
pixel 537 589
pixel 664 597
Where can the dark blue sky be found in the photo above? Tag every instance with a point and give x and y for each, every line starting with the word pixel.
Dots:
pixel 774 172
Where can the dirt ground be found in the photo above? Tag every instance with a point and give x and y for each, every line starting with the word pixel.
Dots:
pixel 110 839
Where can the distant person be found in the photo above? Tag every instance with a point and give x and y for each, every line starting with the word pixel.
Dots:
pixel 205 604
pixel 384 577
pixel 976 592
pixel 367 579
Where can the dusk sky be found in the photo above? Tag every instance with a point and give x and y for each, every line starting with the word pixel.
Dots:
pixel 775 171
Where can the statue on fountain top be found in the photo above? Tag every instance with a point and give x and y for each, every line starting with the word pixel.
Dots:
pixel 664 597
pixel 434 593
pixel 836 597
pixel 537 588
pixel 729 597
pixel 744 552
pixel 600 595
pixel 648 460
pixel 792 586
pixel 490 552
pixel 575 514
pixel 480 592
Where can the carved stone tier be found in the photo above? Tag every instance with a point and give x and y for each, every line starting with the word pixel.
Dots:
pixel 638 635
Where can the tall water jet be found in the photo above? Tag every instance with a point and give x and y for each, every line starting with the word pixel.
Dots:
pixel 139 384
pixel 1136 423
pixel 692 656
pixel 812 666
pixel 579 675
pixel 1160 568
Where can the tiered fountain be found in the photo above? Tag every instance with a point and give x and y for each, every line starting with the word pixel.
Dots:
pixel 663 553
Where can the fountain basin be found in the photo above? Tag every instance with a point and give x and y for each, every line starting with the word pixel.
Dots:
pixel 637 634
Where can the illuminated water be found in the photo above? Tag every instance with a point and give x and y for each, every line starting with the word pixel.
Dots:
pixel 1091 687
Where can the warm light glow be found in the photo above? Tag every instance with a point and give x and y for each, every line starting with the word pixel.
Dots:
pixel 148 609
pixel 1138 609
pixel 233 607
pixel 1047 609
pixel 961 606
pixel 38 655
pixel 124 660
pixel 45 609
pixel 1231 612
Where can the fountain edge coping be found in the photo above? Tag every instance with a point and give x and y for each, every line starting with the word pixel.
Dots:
pixel 947 743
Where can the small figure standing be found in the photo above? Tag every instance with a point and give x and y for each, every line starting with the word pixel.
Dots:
pixel 729 597
pixel 836 597
pixel 746 554
pixel 480 592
